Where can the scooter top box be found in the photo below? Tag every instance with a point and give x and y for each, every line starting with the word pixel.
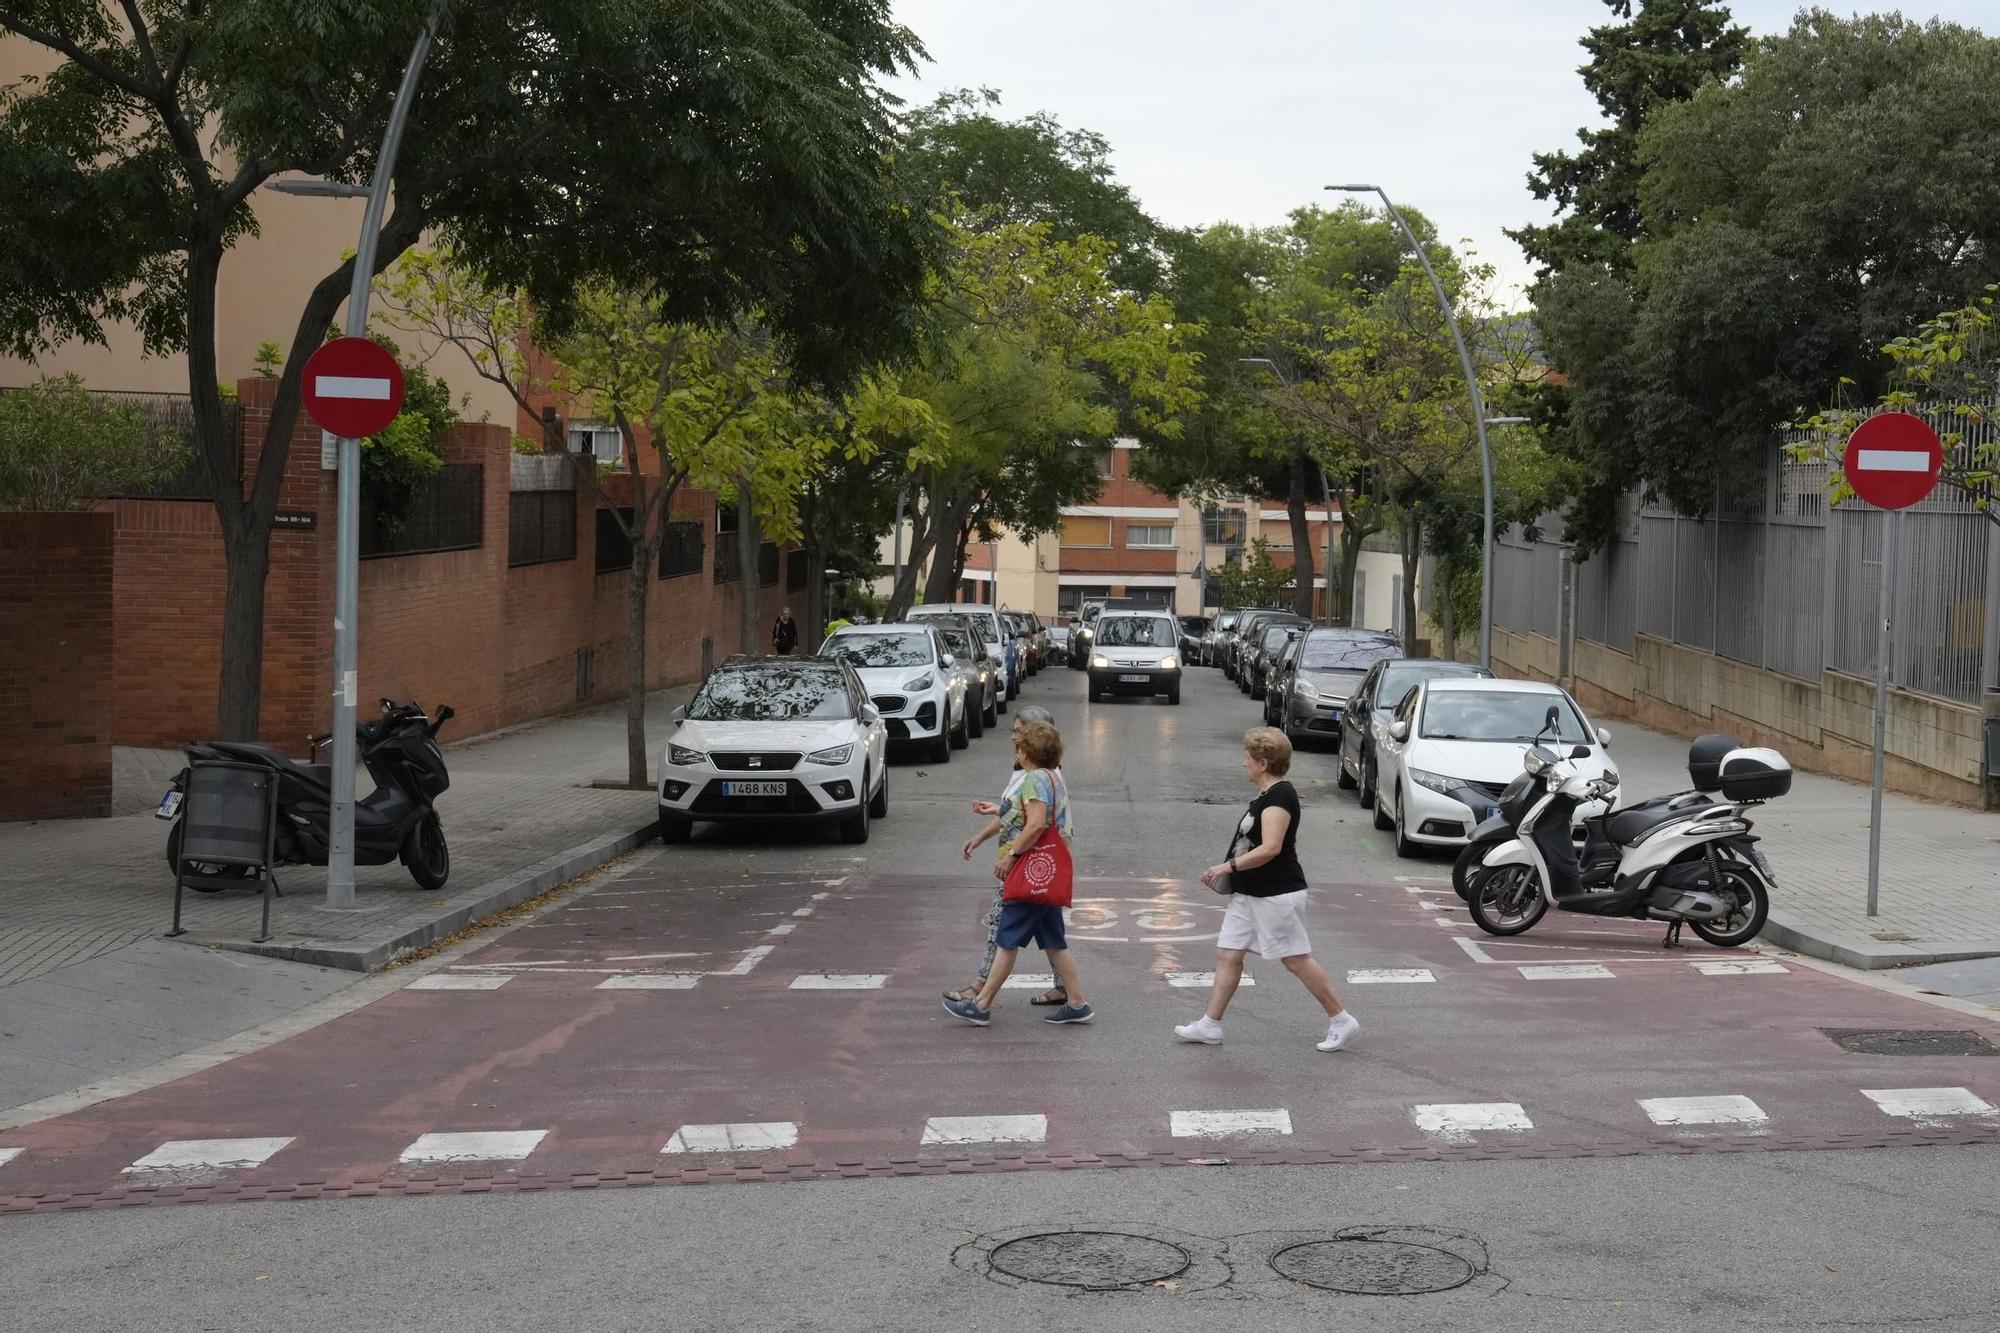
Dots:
pixel 1755 775
pixel 1705 758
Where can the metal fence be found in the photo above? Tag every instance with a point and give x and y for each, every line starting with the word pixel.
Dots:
pixel 614 548
pixel 449 514
pixel 541 516
pixel 1779 580
pixel 681 548
pixel 767 564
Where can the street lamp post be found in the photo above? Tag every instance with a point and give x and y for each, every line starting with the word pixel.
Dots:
pixel 347 557
pixel 1478 417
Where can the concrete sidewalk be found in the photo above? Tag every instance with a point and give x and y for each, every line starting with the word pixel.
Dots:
pixel 1940 891
pixel 521 817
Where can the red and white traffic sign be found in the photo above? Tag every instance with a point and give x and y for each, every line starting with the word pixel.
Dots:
pixel 353 388
pixel 1893 460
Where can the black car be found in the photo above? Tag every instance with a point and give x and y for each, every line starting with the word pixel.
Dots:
pixel 1249 628
pixel 1254 663
pixel 1365 714
pixel 1194 630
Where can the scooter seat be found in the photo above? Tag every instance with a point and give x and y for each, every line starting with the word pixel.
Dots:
pixel 320 775
pixel 1627 826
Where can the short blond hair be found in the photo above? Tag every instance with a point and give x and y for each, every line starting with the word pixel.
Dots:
pixel 1042 743
pixel 1268 746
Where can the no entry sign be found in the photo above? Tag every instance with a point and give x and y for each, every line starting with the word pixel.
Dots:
pixel 1892 460
pixel 353 387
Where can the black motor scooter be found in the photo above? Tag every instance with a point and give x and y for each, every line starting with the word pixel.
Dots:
pixel 396 820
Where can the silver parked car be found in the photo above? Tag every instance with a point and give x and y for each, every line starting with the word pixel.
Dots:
pixel 1329 667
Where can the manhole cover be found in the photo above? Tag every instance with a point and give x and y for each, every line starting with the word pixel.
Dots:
pixel 1097 1260
pixel 1372 1267
pixel 1910 1041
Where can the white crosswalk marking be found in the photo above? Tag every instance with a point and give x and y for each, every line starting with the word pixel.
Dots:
pixel 1730 1110
pixel 1563 971
pixel 207 1155
pixel 1737 967
pixel 755 1136
pixel 1925 1103
pixel 460 981
pixel 9 1154
pixel 651 981
pixel 941 1129
pixel 1201 980
pixel 840 981
pixel 507 1145
pixel 1382 976
pixel 1224 1124
pixel 1457 1122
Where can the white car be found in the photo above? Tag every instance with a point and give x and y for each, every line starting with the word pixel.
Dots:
pixel 907 671
pixel 775 738
pixel 1455 743
pixel 999 640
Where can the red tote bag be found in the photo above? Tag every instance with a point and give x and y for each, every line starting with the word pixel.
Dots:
pixel 1045 875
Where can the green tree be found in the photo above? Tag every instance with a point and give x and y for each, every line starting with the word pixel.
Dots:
pixel 61 446
pixel 1257 581
pixel 732 156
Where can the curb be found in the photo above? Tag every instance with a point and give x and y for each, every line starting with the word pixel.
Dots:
pixel 498 895
pixel 1789 932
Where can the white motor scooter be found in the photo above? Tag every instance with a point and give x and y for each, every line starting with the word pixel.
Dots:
pixel 1683 862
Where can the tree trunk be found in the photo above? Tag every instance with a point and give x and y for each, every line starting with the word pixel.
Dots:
pixel 1302 551
pixel 749 626
pixel 247 561
pixel 948 565
pixel 637 584
pixel 1413 547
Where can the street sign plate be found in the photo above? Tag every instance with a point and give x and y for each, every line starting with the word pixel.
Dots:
pixel 353 387
pixel 1893 460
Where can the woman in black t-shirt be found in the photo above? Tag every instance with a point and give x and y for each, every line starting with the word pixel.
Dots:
pixel 1267 896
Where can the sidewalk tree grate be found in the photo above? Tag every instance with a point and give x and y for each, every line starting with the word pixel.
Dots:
pixel 1091 1260
pixel 1910 1041
pixel 1365 1267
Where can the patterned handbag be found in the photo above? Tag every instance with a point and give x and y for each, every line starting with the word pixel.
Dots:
pixel 1045 874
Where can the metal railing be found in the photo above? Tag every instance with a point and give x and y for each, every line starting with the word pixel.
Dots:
pixel 449 514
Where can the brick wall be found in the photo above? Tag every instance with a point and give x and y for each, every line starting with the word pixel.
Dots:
pixel 55 664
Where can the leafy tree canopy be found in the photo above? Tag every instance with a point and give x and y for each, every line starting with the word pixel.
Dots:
pixel 61 446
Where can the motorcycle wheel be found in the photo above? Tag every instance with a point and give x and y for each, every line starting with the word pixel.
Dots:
pixel 203 877
pixel 426 856
pixel 1507 901
pixel 1751 906
pixel 1469 857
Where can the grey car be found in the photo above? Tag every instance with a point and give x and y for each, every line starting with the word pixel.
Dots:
pixel 1366 716
pixel 991 693
pixel 1330 667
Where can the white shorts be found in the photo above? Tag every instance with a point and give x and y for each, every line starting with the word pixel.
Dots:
pixel 1271 927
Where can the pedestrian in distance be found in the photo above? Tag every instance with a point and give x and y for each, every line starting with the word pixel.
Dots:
pixel 1267 896
pixel 1055 996
pixel 1041 801
pixel 785 633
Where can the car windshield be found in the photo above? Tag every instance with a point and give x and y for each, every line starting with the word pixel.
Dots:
pixel 1137 632
pixel 780 692
pixel 1346 652
pixel 882 650
pixel 1397 680
pixel 1499 715
pixel 1195 624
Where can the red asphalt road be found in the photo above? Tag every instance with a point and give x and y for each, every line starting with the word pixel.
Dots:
pixel 612 1074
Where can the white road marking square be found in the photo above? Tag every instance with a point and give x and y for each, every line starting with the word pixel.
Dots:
pixel 1729 1110
pixel 1920 1103
pixel 506 1145
pixel 1224 1124
pixel 1029 981
pixel 1201 980
pixel 460 981
pixel 840 981
pixel 1738 967
pixel 208 1155
pixel 1383 976
pixel 941 1129
pixel 1563 971
pixel 9 1154
pixel 1458 1121
pixel 754 1136
pixel 651 981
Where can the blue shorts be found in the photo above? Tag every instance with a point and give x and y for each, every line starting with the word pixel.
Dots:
pixel 1024 923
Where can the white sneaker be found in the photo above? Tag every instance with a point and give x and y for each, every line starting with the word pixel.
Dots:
pixel 1338 1029
pixel 1204 1030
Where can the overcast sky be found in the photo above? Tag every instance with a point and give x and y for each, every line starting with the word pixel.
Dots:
pixel 1240 110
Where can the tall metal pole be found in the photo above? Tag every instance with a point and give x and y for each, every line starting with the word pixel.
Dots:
pixel 347 557
pixel 1326 489
pixel 1478 420
pixel 1882 649
pixel 901 496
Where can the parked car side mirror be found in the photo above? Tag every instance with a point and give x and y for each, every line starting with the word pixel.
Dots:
pixel 679 714
pixel 1580 752
pixel 949 660
pixel 1399 731
pixel 1604 738
pixel 870 714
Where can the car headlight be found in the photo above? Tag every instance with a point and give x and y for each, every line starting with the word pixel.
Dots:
pixel 1436 782
pixel 684 757
pixel 1169 662
pixel 920 683
pixel 1305 689
pixel 836 754
pixel 1100 661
